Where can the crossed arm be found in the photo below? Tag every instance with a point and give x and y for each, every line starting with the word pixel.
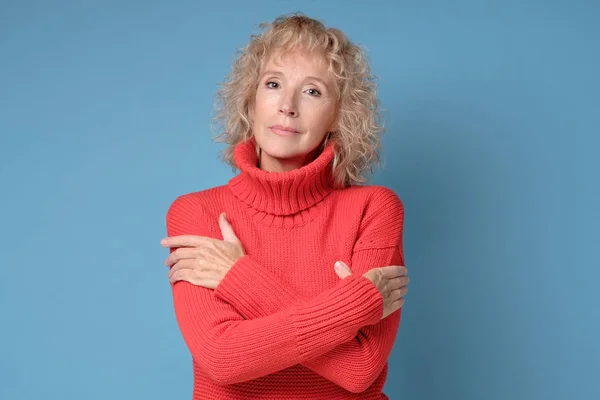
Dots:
pixel 354 364
pixel 237 333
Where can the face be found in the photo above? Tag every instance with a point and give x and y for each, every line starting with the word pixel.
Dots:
pixel 294 109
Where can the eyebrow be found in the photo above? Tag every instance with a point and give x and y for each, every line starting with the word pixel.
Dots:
pixel 314 78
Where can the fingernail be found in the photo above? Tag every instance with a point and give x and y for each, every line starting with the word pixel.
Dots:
pixel 163 242
pixel 337 265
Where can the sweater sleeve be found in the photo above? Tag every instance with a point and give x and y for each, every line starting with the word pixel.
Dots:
pixel 355 364
pixel 231 349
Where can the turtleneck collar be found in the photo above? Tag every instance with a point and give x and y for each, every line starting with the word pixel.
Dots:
pixel 281 193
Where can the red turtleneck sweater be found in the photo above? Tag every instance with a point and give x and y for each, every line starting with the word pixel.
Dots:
pixel 282 324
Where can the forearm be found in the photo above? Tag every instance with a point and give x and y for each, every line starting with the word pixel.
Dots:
pixel 234 350
pixel 354 364
pixel 254 291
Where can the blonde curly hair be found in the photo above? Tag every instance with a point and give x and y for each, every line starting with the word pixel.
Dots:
pixel 356 141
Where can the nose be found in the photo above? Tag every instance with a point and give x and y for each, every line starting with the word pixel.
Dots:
pixel 288 106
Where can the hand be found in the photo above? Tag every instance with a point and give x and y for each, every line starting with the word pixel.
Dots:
pixel 391 282
pixel 203 261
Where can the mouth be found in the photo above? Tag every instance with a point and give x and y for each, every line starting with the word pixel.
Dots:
pixel 283 130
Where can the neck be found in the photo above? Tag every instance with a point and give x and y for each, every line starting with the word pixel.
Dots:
pixel 281 193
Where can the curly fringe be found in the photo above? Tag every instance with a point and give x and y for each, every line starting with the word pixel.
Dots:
pixel 356 142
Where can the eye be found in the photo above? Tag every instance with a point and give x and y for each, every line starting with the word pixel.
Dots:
pixel 314 92
pixel 272 85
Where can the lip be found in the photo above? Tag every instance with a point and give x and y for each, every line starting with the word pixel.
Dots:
pixel 283 130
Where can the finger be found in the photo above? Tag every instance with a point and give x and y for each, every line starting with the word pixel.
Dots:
pixel 399 282
pixel 393 271
pixel 393 307
pixel 184 275
pixel 184 241
pixel 179 254
pixel 189 276
pixel 227 230
pixel 398 293
pixel 183 264
pixel 180 275
pixel 342 270
pixel 398 303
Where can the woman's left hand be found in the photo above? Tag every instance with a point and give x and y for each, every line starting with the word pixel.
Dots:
pixel 201 260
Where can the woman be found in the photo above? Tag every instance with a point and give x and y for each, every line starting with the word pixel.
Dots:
pixel 263 311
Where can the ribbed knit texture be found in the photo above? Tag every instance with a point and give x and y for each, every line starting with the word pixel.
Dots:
pixel 282 324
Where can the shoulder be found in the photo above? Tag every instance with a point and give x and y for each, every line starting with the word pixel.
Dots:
pixel 192 206
pixel 381 196
pixel 382 218
pixel 375 200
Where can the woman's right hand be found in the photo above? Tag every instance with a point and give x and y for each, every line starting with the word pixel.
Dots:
pixel 391 281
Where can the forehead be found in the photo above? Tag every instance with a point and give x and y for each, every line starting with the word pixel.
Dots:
pixel 300 61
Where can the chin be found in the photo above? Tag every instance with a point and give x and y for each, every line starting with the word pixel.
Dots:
pixel 283 152
pixel 285 148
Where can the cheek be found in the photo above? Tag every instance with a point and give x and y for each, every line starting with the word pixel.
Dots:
pixel 322 115
pixel 264 103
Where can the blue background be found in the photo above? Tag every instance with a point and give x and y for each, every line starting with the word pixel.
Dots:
pixel 492 111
